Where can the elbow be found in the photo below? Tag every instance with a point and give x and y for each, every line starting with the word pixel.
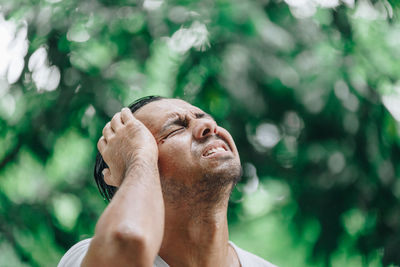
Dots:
pixel 119 247
pixel 127 236
pixel 134 245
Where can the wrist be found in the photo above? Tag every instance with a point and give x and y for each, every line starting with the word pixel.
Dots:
pixel 141 164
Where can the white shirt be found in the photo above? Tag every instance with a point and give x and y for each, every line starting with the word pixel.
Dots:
pixel 75 255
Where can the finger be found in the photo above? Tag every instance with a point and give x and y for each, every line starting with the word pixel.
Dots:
pixel 126 115
pixel 109 179
pixel 107 131
pixel 116 122
pixel 106 172
pixel 101 144
pixel 107 176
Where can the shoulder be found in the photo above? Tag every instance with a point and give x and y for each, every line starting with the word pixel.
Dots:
pixel 248 259
pixel 75 255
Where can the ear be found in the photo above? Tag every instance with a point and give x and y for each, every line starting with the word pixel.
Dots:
pixel 108 178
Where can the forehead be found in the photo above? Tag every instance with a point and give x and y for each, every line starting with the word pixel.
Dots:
pixel 155 113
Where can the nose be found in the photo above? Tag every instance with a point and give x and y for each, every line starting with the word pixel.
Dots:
pixel 204 128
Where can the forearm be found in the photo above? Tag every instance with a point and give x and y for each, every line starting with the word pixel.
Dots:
pixel 138 206
pixel 133 223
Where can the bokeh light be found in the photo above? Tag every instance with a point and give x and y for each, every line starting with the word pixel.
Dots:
pixel 309 89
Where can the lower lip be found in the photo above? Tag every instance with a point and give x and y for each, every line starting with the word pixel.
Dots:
pixel 216 154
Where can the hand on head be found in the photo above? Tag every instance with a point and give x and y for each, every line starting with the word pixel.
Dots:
pixel 125 142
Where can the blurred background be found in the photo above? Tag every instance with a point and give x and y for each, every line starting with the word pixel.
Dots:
pixel 309 89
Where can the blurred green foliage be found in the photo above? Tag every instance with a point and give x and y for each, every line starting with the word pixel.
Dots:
pixel 309 89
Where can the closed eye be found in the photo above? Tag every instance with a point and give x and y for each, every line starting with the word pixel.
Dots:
pixel 174 132
pixel 179 123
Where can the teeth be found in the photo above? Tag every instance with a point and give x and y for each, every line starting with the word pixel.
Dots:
pixel 213 150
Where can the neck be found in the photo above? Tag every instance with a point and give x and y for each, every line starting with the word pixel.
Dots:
pixel 197 238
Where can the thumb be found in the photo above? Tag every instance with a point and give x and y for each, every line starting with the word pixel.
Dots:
pixel 108 178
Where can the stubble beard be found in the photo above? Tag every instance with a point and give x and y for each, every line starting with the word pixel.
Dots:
pixel 209 192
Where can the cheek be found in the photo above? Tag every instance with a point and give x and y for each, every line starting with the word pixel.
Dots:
pixel 231 142
pixel 174 158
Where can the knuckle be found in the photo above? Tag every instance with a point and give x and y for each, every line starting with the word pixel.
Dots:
pixel 99 146
pixel 108 125
pixel 116 115
pixel 128 114
pixel 130 123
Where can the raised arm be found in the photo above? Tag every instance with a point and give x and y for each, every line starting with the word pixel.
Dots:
pixel 130 230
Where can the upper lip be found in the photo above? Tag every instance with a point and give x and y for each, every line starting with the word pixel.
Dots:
pixel 215 144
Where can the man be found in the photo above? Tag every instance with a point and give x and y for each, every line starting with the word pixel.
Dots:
pixel 174 168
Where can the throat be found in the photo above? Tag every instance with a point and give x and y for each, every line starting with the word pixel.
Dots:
pixel 199 238
pixel 197 242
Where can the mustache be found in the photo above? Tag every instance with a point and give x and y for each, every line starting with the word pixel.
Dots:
pixel 210 138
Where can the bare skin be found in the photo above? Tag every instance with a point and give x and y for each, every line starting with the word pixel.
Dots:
pixel 130 230
pixel 197 162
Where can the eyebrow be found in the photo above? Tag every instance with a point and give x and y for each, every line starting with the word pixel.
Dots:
pixel 200 115
pixel 176 119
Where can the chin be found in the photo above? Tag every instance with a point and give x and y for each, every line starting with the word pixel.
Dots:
pixel 212 187
pixel 217 183
pixel 226 173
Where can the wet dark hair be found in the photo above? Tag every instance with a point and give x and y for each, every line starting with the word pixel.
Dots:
pixel 108 191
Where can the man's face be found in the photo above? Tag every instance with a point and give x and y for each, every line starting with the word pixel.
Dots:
pixel 191 145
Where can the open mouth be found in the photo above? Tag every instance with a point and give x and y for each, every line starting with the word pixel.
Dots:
pixel 215 147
